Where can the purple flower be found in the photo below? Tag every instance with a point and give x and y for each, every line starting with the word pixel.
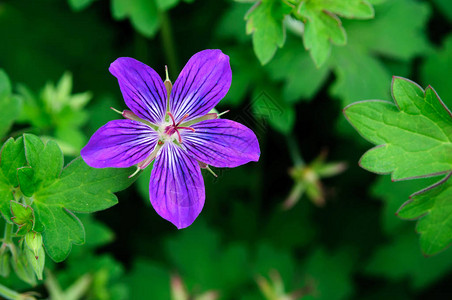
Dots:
pixel 172 125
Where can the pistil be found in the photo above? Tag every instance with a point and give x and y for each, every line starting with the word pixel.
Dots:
pixel 174 128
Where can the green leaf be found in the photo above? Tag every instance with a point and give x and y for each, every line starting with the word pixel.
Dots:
pixel 57 113
pixel 143 14
pixel 77 188
pixel 436 70
pixel 358 76
pixel 434 207
pixel 334 284
pixel 12 157
pixel 166 4
pixel 418 128
pixel 9 104
pixel 391 34
pixel 323 26
pixel 198 255
pixel 265 23
pixel 445 7
pixel 302 79
pixel 360 71
pixel 400 260
pixel 78 5
pixel 25 176
pixel 145 276
pixel 393 195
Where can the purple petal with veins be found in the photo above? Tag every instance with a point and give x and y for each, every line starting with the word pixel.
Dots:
pixel 203 82
pixel 119 144
pixel 221 143
pixel 142 88
pixel 177 187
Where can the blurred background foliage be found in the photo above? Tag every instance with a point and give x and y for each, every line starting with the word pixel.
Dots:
pixel 298 224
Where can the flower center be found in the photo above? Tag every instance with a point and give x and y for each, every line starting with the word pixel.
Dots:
pixel 174 128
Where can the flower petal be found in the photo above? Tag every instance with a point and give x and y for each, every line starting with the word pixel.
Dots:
pixel 177 187
pixel 142 88
pixel 203 82
pixel 119 144
pixel 221 143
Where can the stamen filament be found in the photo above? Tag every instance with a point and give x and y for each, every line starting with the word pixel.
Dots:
pixel 188 128
pixel 186 116
pixel 172 118
pixel 115 110
pixel 226 111
pixel 136 172
pixel 210 170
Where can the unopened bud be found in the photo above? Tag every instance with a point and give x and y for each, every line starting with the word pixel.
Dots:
pixel 33 240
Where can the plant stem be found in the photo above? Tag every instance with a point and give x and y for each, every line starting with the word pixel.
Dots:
pixel 7 293
pixel 294 152
pixel 7 239
pixel 168 42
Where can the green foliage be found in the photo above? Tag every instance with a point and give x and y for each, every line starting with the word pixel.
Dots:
pixel 436 70
pixel 434 208
pixel 417 128
pixel 76 188
pixel 394 194
pixel 57 112
pixel 144 14
pixel 332 284
pixel 10 105
pixel 78 5
pixel 199 262
pixel 400 259
pixel 245 246
pixel 322 26
pixel 265 23
pixel 12 157
pixel 23 217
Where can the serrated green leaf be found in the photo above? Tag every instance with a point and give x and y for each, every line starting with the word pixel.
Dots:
pixel 12 157
pixel 357 9
pixel 323 26
pixel 77 187
pixel 391 33
pixel 360 72
pixel 358 76
pixel 321 29
pixel 418 129
pixel 9 105
pixel 393 195
pixel 265 23
pixel 434 207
